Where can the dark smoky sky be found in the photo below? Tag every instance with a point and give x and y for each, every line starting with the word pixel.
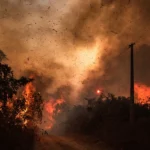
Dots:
pixel 56 40
pixel 29 36
pixel 116 24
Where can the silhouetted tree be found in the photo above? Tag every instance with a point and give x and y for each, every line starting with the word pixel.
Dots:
pixel 109 122
pixel 11 133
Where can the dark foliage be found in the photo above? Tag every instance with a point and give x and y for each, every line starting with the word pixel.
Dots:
pixel 8 84
pixel 108 120
pixel 12 135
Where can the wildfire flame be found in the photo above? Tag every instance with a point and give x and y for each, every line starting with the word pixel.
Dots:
pixel 51 109
pixel 27 109
pixel 143 93
pixel 28 94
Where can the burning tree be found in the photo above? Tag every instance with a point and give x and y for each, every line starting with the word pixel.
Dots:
pixel 14 110
pixel 26 109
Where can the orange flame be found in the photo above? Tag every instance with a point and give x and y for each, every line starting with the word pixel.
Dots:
pixel 98 92
pixel 28 93
pixel 143 93
pixel 51 108
pixel 50 111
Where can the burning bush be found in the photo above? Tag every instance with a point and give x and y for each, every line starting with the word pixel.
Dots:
pixel 17 111
pixel 17 114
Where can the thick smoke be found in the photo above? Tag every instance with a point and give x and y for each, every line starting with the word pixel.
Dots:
pixel 76 45
pixel 115 24
pixel 30 37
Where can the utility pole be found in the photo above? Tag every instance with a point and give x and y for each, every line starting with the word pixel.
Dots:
pixel 131 46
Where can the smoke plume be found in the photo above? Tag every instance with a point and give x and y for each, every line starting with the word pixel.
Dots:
pixel 76 46
pixel 114 24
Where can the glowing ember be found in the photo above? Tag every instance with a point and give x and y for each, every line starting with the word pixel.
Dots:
pixel 98 92
pixel 9 104
pixel 143 93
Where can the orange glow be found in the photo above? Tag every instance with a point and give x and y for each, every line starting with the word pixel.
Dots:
pixel 9 104
pixel 98 92
pixel 50 111
pixel 28 93
pixel 27 111
pixel 143 93
pixel 1 104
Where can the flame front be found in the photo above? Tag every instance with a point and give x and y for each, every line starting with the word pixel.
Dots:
pixel 28 97
pixel 30 108
pixel 143 93
pixel 51 109
pixel 28 93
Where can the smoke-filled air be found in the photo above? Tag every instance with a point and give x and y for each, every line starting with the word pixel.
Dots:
pixel 76 49
pixel 74 44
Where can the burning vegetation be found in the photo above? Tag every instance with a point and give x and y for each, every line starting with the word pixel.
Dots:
pixel 79 52
pixel 143 93
pixel 21 114
pixel 26 109
pixel 51 110
pixel 18 110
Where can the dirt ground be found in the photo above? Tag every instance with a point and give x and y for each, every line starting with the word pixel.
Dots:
pixel 51 142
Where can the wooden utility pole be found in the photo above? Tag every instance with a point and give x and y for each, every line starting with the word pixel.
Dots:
pixel 132 84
